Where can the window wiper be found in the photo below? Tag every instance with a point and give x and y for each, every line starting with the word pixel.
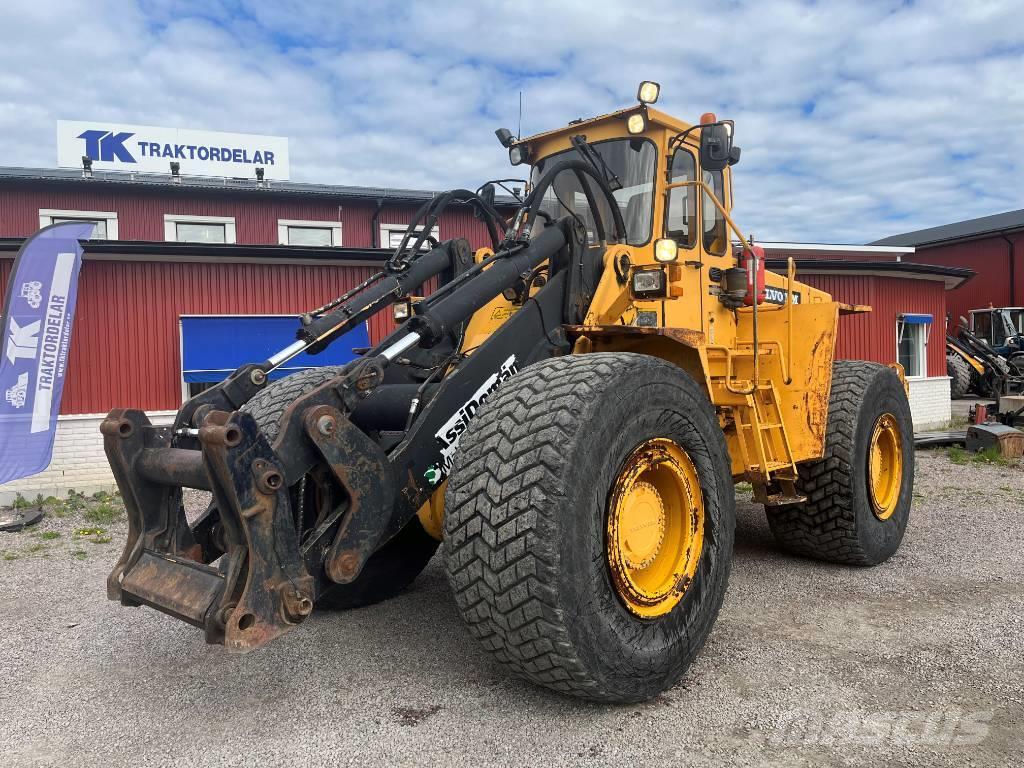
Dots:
pixel 592 156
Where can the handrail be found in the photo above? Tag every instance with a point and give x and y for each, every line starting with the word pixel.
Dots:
pixel 746 246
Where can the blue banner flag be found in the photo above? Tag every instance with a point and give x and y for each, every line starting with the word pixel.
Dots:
pixel 38 313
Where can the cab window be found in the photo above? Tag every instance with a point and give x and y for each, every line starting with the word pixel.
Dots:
pixel 715 241
pixel 633 162
pixel 983 325
pixel 681 218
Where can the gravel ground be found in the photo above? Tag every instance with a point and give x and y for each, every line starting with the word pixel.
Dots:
pixel 916 662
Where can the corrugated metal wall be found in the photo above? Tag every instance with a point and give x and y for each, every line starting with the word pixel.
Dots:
pixel 140 212
pixel 125 348
pixel 872 336
pixel 995 281
pixel 125 343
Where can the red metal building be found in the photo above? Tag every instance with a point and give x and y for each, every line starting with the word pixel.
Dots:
pixel 991 246
pixel 169 248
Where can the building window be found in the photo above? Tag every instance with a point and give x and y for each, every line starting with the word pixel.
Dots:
pixel 912 343
pixel 198 229
pixel 391 235
pixel 105 221
pixel 297 232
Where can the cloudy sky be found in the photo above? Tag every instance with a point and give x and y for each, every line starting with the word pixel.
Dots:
pixel 857 119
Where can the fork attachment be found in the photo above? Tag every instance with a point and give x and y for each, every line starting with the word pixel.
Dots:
pixel 259 588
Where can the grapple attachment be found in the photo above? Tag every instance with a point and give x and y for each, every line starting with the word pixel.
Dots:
pixel 259 588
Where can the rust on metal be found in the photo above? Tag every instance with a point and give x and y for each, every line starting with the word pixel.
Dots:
pixel 685 336
pixel 362 469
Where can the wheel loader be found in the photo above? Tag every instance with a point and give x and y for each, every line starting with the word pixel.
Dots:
pixel 565 413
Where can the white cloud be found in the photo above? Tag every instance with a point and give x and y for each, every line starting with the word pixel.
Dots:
pixel 857 119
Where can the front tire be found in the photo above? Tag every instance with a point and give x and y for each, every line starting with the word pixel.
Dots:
pixel 859 493
pixel 959 373
pixel 531 525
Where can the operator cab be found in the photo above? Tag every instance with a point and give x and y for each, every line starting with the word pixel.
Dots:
pixel 642 154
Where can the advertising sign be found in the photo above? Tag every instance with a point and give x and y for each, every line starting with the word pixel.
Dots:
pixel 150 149
pixel 38 312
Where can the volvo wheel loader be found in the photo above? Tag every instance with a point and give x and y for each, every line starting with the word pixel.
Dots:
pixel 566 413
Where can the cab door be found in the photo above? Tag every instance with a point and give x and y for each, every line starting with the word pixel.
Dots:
pixel 716 257
pixel 682 225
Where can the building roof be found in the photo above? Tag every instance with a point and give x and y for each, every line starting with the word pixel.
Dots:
pixel 951 277
pixel 221 184
pixel 1010 221
pixel 148 250
pixel 826 249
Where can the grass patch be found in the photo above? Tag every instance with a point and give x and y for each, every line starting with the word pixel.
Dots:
pixel 100 540
pixel 990 455
pixel 1006 489
pixel 103 512
pixel 47 535
pixel 37 547
pixel 744 488
pixel 80 554
pixel 957 455
pixel 10 556
pixel 90 531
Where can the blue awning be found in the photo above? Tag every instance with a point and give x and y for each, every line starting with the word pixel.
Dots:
pixel 214 346
pixel 916 319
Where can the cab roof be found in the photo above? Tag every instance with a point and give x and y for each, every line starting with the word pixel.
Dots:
pixel 654 117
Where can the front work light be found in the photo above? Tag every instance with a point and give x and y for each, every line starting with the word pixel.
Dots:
pixel 649 283
pixel 665 250
pixel 518 154
pixel 648 92
pixel 636 123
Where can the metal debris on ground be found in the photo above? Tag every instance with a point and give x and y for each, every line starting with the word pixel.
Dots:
pixel 938 439
pixel 15 519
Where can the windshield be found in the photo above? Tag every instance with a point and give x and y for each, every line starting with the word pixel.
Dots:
pixel 1017 320
pixel 634 162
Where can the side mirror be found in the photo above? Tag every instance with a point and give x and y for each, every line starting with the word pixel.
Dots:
pixel 716 152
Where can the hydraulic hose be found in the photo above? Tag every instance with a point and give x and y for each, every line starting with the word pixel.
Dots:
pixel 578 166
pixel 435 322
pixel 321 331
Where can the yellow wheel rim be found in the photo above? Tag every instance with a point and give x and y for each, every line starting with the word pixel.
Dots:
pixel 885 466
pixel 655 528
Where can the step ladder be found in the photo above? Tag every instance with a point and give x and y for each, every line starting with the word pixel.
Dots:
pixel 764 445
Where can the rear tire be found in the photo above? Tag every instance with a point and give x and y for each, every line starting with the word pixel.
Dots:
pixel 527 535
pixel 840 521
pixel 391 568
pixel 959 373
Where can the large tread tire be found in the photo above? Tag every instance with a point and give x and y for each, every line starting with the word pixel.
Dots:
pixel 838 523
pixel 394 566
pixel 959 373
pixel 526 521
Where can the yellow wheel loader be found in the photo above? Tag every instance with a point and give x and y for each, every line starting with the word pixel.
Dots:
pixel 566 413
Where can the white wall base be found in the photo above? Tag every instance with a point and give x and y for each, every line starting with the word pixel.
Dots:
pixel 78 460
pixel 929 402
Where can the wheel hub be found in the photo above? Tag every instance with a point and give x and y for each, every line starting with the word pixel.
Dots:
pixel 655 528
pixel 642 529
pixel 885 466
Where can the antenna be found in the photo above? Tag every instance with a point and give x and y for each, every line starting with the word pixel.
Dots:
pixel 519 131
